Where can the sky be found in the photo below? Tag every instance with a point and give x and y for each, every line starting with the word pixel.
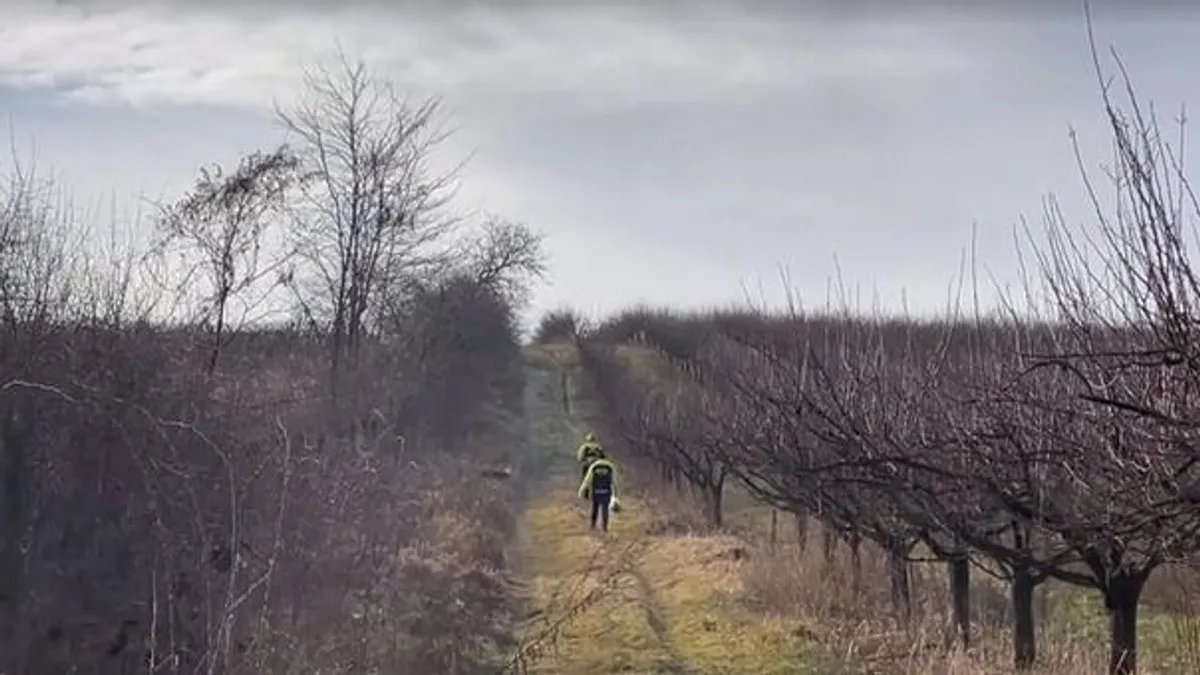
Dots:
pixel 672 153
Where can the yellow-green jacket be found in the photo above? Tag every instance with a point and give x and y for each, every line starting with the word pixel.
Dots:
pixel 589 450
pixel 602 476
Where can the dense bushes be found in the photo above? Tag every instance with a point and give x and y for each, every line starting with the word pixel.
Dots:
pixel 560 325
pixel 190 493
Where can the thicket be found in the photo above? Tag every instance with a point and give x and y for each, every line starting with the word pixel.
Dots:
pixel 191 483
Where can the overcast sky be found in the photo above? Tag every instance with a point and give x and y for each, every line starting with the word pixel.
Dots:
pixel 671 155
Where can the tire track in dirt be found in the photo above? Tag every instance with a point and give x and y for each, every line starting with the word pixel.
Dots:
pixel 590 593
pixel 655 614
pixel 656 618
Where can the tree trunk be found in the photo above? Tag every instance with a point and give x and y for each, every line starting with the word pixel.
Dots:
pixel 13 487
pixel 901 585
pixel 337 348
pixel 960 599
pixel 856 578
pixel 716 503
pixel 801 531
pixel 1024 635
pixel 1121 599
pixel 219 336
pixel 214 354
pixel 829 547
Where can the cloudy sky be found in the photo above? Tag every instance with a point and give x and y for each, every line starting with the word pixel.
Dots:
pixel 679 153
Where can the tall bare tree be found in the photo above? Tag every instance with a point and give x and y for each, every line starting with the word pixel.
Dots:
pixel 370 211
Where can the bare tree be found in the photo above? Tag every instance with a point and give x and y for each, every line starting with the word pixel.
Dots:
pixel 370 210
pixel 1124 426
pixel 507 256
pixel 36 258
pixel 222 223
pixel 666 420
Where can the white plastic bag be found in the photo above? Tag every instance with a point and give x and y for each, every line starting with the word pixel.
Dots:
pixel 615 505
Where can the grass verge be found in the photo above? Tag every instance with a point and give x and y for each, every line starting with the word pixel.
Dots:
pixel 637 600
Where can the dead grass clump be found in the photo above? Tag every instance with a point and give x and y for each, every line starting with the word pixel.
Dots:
pixel 673 514
pixel 858 622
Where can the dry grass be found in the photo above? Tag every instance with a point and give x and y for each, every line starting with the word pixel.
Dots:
pixel 553 355
pixel 644 361
pixel 649 603
pixel 715 629
pixel 662 595
pixel 1072 639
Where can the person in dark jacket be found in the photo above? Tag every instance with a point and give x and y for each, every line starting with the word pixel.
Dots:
pixel 600 483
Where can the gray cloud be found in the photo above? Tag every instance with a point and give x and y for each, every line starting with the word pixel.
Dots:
pixel 670 152
pixel 146 52
pixel 809 8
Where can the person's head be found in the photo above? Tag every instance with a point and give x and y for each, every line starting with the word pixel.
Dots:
pixel 590 437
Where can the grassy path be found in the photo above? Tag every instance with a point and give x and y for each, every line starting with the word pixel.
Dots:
pixel 633 601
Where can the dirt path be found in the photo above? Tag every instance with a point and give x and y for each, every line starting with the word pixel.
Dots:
pixel 631 601
pixel 659 622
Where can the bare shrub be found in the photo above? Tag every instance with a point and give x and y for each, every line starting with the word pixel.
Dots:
pixel 563 324
pixel 370 212
pixel 219 230
pixel 247 516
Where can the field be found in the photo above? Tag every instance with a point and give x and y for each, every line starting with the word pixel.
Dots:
pixel 669 592
pixel 644 599
pixel 300 430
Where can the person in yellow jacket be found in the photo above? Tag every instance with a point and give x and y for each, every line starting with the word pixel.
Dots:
pixel 589 451
pixel 600 483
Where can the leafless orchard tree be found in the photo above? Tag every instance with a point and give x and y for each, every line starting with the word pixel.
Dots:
pixel 698 431
pixel 1125 298
pixel 664 422
pixel 845 395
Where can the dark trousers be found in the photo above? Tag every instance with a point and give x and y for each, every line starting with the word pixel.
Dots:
pixel 600 504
